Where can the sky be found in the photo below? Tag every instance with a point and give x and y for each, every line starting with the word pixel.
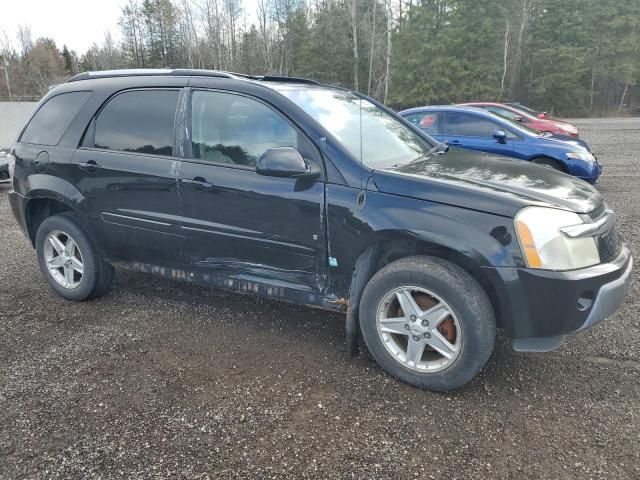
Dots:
pixel 75 23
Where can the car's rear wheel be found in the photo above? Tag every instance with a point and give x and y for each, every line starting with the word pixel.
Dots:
pixel 69 260
pixel 427 322
pixel 548 163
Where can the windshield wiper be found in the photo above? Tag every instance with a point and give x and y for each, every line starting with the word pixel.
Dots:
pixel 426 155
pixel 438 147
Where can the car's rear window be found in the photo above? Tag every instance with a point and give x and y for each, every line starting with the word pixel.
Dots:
pixel 53 118
pixel 138 121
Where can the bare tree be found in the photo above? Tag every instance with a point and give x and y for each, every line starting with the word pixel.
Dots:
pixel 373 42
pixel 524 10
pixel 5 54
pixel 388 56
pixel 25 39
pixel 354 32
pixel 504 58
pixel 264 28
pixel 233 10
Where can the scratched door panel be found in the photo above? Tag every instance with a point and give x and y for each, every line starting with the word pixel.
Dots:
pixel 266 227
pixel 128 174
pixel 135 199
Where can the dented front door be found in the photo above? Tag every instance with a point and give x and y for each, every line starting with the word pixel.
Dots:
pixel 240 223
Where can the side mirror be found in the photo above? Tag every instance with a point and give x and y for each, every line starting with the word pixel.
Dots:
pixel 285 162
pixel 517 118
pixel 500 136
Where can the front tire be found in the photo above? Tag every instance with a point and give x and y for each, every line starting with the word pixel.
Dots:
pixel 69 260
pixel 428 323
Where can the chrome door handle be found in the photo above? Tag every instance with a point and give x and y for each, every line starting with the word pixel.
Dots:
pixel 197 182
pixel 90 166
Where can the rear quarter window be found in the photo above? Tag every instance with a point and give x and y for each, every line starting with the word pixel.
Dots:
pixel 53 118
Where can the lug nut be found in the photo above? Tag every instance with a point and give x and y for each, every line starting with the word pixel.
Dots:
pixel 416 338
pixel 425 323
pixel 427 335
pixel 407 327
pixel 413 318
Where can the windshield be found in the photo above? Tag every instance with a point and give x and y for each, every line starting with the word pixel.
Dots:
pixel 518 126
pixel 383 141
pixel 524 109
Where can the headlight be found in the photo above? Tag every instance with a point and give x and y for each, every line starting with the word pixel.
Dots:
pixel 581 156
pixel 543 244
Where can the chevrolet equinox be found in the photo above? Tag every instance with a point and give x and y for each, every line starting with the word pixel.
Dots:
pixel 292 190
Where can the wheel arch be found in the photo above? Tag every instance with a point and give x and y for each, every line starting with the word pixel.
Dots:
pixel 40 208
pixel 48 195
pixel 537 157
pixel 384 251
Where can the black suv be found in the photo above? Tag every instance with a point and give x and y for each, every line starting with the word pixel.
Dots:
pixel 312 194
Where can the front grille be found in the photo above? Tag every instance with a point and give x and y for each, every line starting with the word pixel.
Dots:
pixel 609 245
pixel 597 212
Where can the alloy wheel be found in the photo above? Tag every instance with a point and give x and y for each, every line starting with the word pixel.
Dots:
pixel 419 329
pixel 63 259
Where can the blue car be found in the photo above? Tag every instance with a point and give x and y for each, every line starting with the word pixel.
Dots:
pixel 477 129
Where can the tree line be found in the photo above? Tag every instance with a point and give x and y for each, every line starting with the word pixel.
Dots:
pixel 569 57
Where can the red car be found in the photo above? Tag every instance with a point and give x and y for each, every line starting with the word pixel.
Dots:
pixel 532 121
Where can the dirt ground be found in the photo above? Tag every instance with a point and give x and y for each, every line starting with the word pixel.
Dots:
pixel 167 380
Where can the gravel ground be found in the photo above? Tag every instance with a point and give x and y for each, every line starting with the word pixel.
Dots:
pixel 166 380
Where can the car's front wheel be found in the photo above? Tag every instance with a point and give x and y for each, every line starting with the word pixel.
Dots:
pixel 427 322
pixel 69 259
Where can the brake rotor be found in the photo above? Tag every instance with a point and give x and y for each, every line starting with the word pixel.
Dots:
pixel 447 328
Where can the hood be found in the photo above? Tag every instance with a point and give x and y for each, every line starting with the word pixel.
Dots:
pixel 568 139
pixel 489 183
pixel 567 127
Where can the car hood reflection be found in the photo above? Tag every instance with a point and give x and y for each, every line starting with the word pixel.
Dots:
pixel 477 173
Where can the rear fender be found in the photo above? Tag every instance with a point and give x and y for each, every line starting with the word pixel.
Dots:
pixel 47 187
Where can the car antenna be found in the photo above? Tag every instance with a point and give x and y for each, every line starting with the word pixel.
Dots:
pixel 362 195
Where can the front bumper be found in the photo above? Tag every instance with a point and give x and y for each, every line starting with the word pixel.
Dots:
pixel 542 307
pixel 585 170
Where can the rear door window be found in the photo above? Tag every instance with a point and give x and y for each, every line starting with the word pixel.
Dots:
pixel 139 121
pixel 466 125
pixel 426 121
pixel 53 118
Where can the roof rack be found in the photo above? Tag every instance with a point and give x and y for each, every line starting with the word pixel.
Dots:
pixel 187 72
pixel 277 78
pixel 143 72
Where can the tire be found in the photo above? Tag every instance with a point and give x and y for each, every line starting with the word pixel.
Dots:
pixel 451 293
pixel 549 163
pixel 106 279
pixel 90 277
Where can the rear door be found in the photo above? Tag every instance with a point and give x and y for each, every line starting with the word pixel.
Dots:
pixel 474 132
pixel 128 173
pixel 262 228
